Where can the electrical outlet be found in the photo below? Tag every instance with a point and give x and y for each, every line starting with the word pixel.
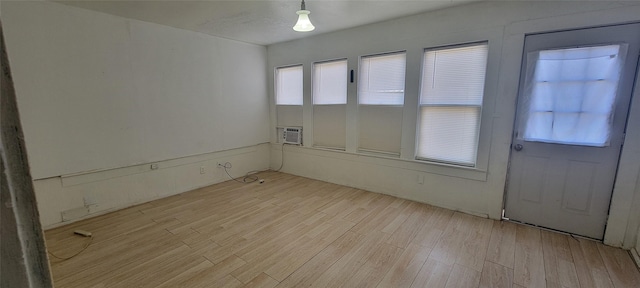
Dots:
pixel 89 200
pixel 202 170
pixel 75 213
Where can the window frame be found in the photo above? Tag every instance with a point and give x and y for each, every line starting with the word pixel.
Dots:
pixel 331 143
pixel 371 150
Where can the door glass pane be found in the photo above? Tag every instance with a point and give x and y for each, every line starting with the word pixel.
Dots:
pixel 570 94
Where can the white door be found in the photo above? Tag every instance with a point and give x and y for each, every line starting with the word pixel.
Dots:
pixel 575 90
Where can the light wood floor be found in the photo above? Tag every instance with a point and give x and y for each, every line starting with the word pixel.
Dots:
pixel 295 232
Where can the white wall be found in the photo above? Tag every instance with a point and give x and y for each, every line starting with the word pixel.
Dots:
pixel 480 190
pixel 100 92
pixel 102 97
pixel 88 194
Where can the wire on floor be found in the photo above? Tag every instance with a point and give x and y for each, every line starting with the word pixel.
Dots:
pixel 86 245
pixel 248 178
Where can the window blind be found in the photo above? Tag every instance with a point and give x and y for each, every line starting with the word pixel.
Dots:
pixel 450 103
pixel 330 83
pixel 382 79
pixel 289 85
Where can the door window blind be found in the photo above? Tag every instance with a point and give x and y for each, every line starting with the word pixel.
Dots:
pixel 571 94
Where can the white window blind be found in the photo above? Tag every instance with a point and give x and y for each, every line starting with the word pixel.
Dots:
pixel 450 103
pixel 289 85
pixel 382 79
pixel 330 83
pixel 571 95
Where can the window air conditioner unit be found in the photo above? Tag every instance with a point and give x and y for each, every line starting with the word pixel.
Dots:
pixel 292 135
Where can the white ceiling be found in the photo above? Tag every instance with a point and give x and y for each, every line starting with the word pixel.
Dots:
pixel 262 22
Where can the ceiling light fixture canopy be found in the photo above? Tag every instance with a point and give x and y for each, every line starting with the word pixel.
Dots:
pixel 303 24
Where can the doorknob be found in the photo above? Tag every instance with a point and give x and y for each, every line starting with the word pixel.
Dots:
pixel 518 147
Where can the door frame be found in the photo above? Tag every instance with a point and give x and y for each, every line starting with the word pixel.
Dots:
pixel 623 221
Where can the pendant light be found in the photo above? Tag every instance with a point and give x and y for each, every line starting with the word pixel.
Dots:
pixel 303 24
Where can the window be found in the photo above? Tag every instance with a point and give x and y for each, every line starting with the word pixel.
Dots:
pixel 289 85
pixel 329 104
pixel 380 98
pixel 289 94
pixel 571 94
pixel 382 79
pixel 451 103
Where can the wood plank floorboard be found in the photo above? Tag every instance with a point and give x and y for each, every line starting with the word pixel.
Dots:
pixel 297 232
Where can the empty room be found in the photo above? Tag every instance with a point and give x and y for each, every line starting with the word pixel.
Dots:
pixel 320 143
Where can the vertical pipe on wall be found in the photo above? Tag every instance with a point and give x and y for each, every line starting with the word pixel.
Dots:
pixel 24 260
